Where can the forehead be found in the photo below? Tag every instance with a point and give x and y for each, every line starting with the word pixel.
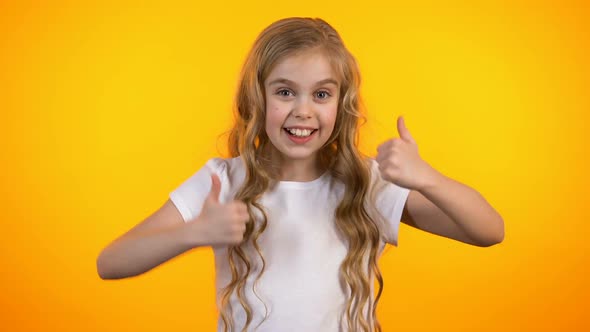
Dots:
pixel 305 69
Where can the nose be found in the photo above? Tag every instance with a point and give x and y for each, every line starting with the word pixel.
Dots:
pixel 303 109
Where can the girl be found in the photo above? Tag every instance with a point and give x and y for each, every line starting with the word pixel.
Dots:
pixel 297 217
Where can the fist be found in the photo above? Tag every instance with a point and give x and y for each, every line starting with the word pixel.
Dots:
pixel 222 224
pixel 400 163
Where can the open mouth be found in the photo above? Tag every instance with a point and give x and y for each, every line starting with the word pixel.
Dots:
pixel 300 132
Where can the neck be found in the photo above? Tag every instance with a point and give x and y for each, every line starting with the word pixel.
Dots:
pixel 300 170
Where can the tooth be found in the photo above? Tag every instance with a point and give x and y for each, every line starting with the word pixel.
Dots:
pixel 300 132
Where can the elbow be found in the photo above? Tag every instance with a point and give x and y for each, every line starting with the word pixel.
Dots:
pixel 495 236
pixel 102 268
pixel 491 242
pixel 109 268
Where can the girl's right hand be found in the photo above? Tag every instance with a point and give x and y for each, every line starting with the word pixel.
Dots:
pixel 221 224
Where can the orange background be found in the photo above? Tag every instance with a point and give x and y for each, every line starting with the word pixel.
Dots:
pixel 107 107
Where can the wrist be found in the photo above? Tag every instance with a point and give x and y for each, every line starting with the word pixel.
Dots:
pixel 432 180
pixel 192 234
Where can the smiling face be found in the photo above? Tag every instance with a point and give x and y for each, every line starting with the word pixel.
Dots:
pixel 301 105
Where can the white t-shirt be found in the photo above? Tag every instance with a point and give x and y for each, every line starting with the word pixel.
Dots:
pixel 300 245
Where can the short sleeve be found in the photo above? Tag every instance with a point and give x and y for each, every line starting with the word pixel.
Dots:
pixel 389 202
pixel 190 195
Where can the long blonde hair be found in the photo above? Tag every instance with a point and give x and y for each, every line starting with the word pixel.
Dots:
pixel 340 154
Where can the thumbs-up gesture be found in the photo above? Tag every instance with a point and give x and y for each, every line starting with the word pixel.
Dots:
pixel 400 163
pixel 222 224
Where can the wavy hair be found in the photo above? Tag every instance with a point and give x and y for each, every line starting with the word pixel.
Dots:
pixel 248 140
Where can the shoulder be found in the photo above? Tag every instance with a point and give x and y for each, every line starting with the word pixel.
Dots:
pixel 189 195
pixel 377 181
pixel 373 166
pixel 228 170
pixel 388 199
pixel 225 166
pixel 231 172
pixel 385 194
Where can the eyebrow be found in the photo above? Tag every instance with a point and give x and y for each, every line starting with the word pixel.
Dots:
pixel 286 81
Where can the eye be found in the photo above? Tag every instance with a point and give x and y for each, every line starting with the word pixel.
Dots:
pixel 283 92
pixel 323 93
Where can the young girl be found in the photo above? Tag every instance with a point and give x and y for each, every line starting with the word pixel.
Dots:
pixel 297 217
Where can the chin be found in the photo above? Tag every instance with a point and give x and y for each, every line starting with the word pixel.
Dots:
pixel 293 152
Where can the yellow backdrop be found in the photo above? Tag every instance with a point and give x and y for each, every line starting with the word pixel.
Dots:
pixel 107 107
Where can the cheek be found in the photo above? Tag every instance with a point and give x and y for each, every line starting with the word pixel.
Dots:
pixel 273 117
pixel 329 116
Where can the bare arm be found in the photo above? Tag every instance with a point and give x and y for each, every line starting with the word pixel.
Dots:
pixel 159 238
pixel 165 235
pixel 451 209
pixel 436 203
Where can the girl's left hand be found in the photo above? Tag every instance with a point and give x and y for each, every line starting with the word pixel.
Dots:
pixel 400 163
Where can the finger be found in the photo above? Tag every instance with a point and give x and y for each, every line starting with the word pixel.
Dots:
pixel 215 188
pixel 380 147
pixel 384 146
pixel 243 208
pixel 240 207
pixel 403 131
pixel 382 158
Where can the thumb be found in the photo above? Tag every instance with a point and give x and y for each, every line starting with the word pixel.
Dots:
pixel 215 188
pixel 404 133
